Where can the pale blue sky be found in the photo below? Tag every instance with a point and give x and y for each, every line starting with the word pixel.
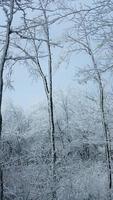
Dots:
pixel 28 92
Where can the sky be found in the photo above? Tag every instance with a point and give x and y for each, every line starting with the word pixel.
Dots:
pixel 28 92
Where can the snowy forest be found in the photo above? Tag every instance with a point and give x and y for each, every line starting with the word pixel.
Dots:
pixel 62 147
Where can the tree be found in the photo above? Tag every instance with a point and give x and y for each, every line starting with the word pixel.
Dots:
pixel 8 9
pixel 30 33
pixel 9 17
pixel 84 41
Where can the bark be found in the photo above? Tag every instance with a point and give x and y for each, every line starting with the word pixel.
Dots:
pixel 1 185
pixel 106 133
pixel 52 134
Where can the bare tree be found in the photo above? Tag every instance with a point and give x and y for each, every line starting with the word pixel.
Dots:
pixel 50 102
pixel 30 34
pixel 9 17
pixel 83 41
pixel 8 8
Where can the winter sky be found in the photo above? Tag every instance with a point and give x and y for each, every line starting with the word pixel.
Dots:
pixel 28 92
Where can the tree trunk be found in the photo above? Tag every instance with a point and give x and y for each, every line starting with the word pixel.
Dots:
pixel 1 92
pixel 1 185
pixel 2 64
pixel 105 129
pixel 52 129
pixel 104 124
pixel 50 109
pixel 1 169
